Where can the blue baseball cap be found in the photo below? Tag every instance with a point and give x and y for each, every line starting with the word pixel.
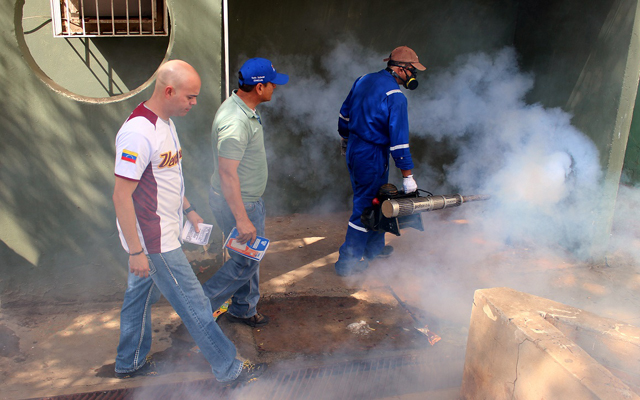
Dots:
pixel 260 70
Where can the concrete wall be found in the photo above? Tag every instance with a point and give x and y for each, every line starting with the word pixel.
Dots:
pixel 525 347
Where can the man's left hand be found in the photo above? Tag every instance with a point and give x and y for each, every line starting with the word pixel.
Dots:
pixel 195 220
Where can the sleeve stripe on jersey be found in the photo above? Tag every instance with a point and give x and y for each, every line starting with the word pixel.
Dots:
pixel 390 92
pixel 127 178
pixel 400 146
pixel 344 118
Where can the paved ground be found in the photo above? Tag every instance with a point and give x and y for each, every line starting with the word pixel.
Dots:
pixel 70 348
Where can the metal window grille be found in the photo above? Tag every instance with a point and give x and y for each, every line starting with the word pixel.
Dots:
pixel 87 18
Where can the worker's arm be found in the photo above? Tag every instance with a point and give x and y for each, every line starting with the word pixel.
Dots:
pixel 125 212
pixel 230 184
pixel 399 132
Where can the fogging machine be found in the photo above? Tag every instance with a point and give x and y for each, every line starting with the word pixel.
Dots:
pixel 392 209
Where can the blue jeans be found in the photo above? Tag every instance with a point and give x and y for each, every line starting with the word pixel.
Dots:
pixel 238 278
pixel 171 275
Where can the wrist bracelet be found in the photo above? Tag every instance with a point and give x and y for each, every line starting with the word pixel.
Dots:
pixel 189 209
pixel 135 254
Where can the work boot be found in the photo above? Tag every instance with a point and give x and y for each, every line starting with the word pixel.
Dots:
pixel 356 267
pixel 385 253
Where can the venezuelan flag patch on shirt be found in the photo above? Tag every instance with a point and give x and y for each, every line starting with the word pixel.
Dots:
pixel 129 156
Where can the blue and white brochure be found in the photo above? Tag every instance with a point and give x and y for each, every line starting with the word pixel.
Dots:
pixel 254 251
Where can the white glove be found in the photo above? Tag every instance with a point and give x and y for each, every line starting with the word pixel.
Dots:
pixel 408 184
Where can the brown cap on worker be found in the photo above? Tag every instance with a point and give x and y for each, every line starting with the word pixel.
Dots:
pixel 405 55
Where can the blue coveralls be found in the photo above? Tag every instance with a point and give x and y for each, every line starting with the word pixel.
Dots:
pixel 374 118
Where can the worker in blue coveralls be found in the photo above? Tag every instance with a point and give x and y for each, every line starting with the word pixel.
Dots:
pixel 373 123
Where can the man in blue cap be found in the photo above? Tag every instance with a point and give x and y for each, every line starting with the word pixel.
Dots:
pixel 373 124
pixel 237 185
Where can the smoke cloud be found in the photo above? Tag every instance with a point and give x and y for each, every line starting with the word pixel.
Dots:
pixel 305 165
pixel 472 132
pixel 540 170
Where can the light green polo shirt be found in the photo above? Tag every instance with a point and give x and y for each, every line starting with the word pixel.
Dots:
pixel 237 135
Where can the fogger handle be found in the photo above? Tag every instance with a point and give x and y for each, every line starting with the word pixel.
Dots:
pixel 400 207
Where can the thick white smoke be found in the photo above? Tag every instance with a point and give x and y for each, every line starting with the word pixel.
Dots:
pixel 301 120
pixel 541 172
pixel 309 104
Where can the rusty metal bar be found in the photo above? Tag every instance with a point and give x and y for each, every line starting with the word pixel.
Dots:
pixel 80 23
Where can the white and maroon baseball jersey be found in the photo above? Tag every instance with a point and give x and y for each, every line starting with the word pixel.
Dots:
pixel 148 151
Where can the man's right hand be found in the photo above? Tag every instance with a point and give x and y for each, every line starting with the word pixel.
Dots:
pixel 139 265
pixel 246 232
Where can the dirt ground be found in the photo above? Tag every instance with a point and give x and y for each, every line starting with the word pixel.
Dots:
pixel 369 326
pixel 54 349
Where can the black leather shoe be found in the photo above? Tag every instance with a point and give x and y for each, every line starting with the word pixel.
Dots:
pixel 256 321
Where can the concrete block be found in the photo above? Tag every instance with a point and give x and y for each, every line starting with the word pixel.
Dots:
pixel 522 346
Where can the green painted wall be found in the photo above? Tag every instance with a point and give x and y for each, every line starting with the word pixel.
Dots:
pixel 631 170
pixel 57 225
pixel 57 232
pixel 90 67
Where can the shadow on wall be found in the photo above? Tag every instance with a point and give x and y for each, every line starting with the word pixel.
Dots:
pixel 56 192
pixel 57 178
pixel 58 237
pixel 95 67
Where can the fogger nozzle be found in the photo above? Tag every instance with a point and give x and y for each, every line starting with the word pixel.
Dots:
pixel 400 207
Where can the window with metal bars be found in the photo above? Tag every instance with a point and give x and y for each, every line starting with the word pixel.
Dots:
pixel 87 18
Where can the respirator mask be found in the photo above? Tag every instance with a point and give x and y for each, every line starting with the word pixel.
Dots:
pixel 411 82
